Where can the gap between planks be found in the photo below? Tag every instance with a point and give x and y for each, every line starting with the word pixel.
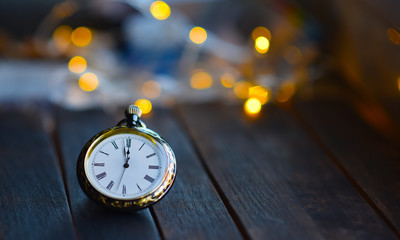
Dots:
pixel 204 213
pixel 157 222
pixel 231 211
pixel 49 122
pixel 314 136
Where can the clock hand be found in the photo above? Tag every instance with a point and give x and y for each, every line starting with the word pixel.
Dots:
pixel 126 165
pixel 120 179
pixel 126 150
pixel 127 157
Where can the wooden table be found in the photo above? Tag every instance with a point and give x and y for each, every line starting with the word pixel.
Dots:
pixel 315 169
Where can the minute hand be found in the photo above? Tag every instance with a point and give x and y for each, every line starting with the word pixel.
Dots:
pixel 127 157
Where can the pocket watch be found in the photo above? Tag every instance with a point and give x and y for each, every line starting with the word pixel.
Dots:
pixel 127 167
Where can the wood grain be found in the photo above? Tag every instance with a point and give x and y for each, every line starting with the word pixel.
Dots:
pixel 74 129
pixel 259 197
pixel 192 209
pixel 33 203
pixel 365 155
pixel 316 182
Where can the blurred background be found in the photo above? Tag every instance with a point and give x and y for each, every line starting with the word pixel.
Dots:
pixel 81 54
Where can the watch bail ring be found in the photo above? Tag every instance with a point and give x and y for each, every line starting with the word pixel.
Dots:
pixel 133 114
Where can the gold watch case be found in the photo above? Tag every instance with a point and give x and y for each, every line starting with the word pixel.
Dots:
pixel 134 203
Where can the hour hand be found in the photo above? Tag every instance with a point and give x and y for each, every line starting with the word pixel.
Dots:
pixel 126 149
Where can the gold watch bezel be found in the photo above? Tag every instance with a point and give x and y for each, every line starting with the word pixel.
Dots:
pixel 136 203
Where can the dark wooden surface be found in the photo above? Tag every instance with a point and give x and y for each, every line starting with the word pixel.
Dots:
pixel 371 162
pixel 33 202
pixel 314 169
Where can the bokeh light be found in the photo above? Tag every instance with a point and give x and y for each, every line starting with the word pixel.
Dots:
pixel 260 93
pixel 398 83
pixel 241 89
pixel 144 105
pixel 81 36
pixel 261 32
pixel 88 82
pixel 198 35
pixel 252 106
pixel 287 90
pixel 62 36
pixel 160 10
pixel 77 64
pixel 151 89
pixel 228 80
pixel 201 80
pixel 394 36
pixel 261 44
pixel 292 54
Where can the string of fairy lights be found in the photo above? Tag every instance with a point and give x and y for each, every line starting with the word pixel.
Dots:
pixel 238 82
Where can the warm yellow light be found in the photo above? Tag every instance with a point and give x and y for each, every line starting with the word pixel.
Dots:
pixel 81 36
pixel 228 80
pixel 241 89
pixel 286 92
pixel 151 89
pixel 398 83
pixel 160 10
pixel 260 93
pixel 261 44
pixel 62 36
pixel 252 106
pixel 198 35
pixel 292 54
pixel 201 80
pixel 77 64
pixel 88 82
pixel 145 105
pixel 394 36
pixel 261 32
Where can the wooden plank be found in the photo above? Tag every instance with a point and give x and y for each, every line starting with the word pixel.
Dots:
pixel 255 192
pixel 33 203
pixel 193 209
pixel 316 182
pixel 366 156
pixel 74 129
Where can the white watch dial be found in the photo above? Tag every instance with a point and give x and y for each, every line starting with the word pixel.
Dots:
pixel 126 166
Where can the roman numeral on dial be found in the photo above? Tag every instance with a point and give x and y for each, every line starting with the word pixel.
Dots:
pixel 123 189
pixel 153 167
pixel 114 144
pixel 128 142
pixel 148 178
pixel 110 185
pixel 101 175
pixel 99 164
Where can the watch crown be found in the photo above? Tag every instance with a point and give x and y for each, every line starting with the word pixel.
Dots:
pixel 135 110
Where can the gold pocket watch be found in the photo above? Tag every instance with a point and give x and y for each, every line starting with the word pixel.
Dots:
pixel 127 167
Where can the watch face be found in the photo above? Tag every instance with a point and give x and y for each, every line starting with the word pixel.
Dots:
pixel 125 165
